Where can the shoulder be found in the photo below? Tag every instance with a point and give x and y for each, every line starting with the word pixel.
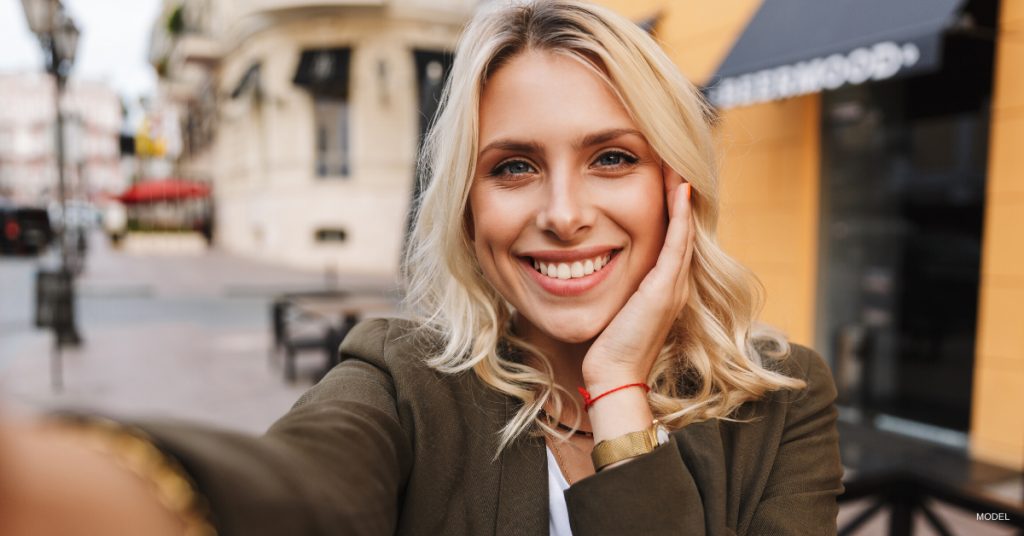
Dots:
pixel 387 343
pixel 376 356
pixel 779 409
pixel 395 352
pixel 807 365
pixel 797 410
pixel 401 350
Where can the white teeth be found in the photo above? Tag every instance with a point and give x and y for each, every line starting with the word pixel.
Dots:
pixel 572 270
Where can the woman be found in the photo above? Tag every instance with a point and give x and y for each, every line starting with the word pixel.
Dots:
pixel 565 289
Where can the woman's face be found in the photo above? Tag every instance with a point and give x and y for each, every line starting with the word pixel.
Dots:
pixel 567 203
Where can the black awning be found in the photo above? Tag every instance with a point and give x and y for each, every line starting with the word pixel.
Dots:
pixel 324 70
pixel 793 47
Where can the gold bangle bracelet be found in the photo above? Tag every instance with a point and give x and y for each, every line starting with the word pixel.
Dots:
pixel 135 451
pixel 626 446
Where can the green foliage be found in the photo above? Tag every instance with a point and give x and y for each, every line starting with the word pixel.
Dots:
pixel 176 22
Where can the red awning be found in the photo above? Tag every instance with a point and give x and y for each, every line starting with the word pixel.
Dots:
pixel 163 190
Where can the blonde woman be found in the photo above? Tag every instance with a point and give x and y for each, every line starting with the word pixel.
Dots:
pixel 581 357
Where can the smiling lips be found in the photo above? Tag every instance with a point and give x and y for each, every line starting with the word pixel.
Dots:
pixel 569 273
pixel 571 270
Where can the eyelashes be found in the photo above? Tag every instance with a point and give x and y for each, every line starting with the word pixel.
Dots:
pixel 511 168
pixel 608 158
pixel 612 160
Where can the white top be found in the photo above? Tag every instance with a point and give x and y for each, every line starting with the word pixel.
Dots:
pixel 556 498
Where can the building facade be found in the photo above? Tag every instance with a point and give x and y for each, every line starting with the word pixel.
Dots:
pixel 307 118
pixel 92 125
pixel 877 191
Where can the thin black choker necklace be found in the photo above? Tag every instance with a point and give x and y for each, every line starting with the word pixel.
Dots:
pixel 564 427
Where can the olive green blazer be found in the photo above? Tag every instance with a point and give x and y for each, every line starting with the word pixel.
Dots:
pixel 385 445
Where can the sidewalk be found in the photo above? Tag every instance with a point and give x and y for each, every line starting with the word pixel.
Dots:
pixel 180 337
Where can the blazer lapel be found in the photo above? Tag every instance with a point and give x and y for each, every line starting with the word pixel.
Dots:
pixel 523 487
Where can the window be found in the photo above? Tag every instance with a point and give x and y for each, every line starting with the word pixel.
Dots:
pixel 903 193
pixel 331 235
pixel 331 136
pixel 324 73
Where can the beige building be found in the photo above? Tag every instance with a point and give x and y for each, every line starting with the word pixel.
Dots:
pixel 307 116
pixel 92 125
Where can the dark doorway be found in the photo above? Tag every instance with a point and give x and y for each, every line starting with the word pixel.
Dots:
pixel 432 71
pixel 903 192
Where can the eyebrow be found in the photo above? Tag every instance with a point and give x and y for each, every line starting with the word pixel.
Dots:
pixel 515 146
pixel 596 138
pixel 605 136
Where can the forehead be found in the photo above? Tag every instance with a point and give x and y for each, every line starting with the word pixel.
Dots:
pixel 549 96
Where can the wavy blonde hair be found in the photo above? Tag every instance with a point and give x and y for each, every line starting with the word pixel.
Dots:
pixel 714 357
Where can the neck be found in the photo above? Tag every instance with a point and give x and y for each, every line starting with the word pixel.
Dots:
pixel 566 360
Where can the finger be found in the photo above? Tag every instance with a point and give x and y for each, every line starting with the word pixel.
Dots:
pixel 673 181
pixel 678 231
pixel 678 235
pixel 688 257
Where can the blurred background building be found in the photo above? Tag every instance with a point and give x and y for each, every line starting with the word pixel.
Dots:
pixel 874 181
pixel 306 116
pixel 92 128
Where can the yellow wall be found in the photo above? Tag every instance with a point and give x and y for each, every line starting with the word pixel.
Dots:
pixel 770 185
pixel 696 34
pixel 997 417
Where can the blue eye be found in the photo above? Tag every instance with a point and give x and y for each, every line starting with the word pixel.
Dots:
pixel 513 167
pixel 518 167
pixel 615 158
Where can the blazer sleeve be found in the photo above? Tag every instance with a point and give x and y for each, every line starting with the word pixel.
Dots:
pixel 680 488
pixel 335 464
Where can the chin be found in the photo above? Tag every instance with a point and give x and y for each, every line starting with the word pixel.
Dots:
pixel 574 331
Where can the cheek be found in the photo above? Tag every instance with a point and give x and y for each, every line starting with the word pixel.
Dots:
pixel 640 210
pixel 495 225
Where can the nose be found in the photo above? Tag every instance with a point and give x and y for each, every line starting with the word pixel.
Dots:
pixel 567 210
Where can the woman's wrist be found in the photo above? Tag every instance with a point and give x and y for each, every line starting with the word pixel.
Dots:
pixel 620 412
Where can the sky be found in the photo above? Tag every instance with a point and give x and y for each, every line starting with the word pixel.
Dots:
pixel 112 47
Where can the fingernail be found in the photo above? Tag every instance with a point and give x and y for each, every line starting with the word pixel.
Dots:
pixel 687 191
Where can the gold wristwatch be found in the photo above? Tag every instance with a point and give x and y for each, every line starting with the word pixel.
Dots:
pixel 629 445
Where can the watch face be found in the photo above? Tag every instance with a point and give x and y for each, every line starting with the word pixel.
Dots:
pixel 662 434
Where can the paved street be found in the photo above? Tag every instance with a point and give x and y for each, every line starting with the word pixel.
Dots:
pixel 182 337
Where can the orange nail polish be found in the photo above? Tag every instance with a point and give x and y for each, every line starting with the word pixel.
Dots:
pixel 687 191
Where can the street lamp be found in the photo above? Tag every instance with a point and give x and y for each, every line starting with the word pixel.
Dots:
pixel 40 14
pixel 58 36
pixel 65 42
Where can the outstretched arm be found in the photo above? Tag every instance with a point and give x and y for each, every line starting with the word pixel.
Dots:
pixel 53 482
pixel 335 464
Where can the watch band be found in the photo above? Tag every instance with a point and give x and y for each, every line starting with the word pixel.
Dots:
pixel 627 446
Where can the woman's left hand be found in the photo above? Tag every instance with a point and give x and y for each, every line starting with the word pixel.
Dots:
pixel 625 351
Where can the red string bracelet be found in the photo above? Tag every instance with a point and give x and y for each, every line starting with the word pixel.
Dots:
pixel 588 401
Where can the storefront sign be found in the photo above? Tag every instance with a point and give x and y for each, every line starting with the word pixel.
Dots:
pixel 878 62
